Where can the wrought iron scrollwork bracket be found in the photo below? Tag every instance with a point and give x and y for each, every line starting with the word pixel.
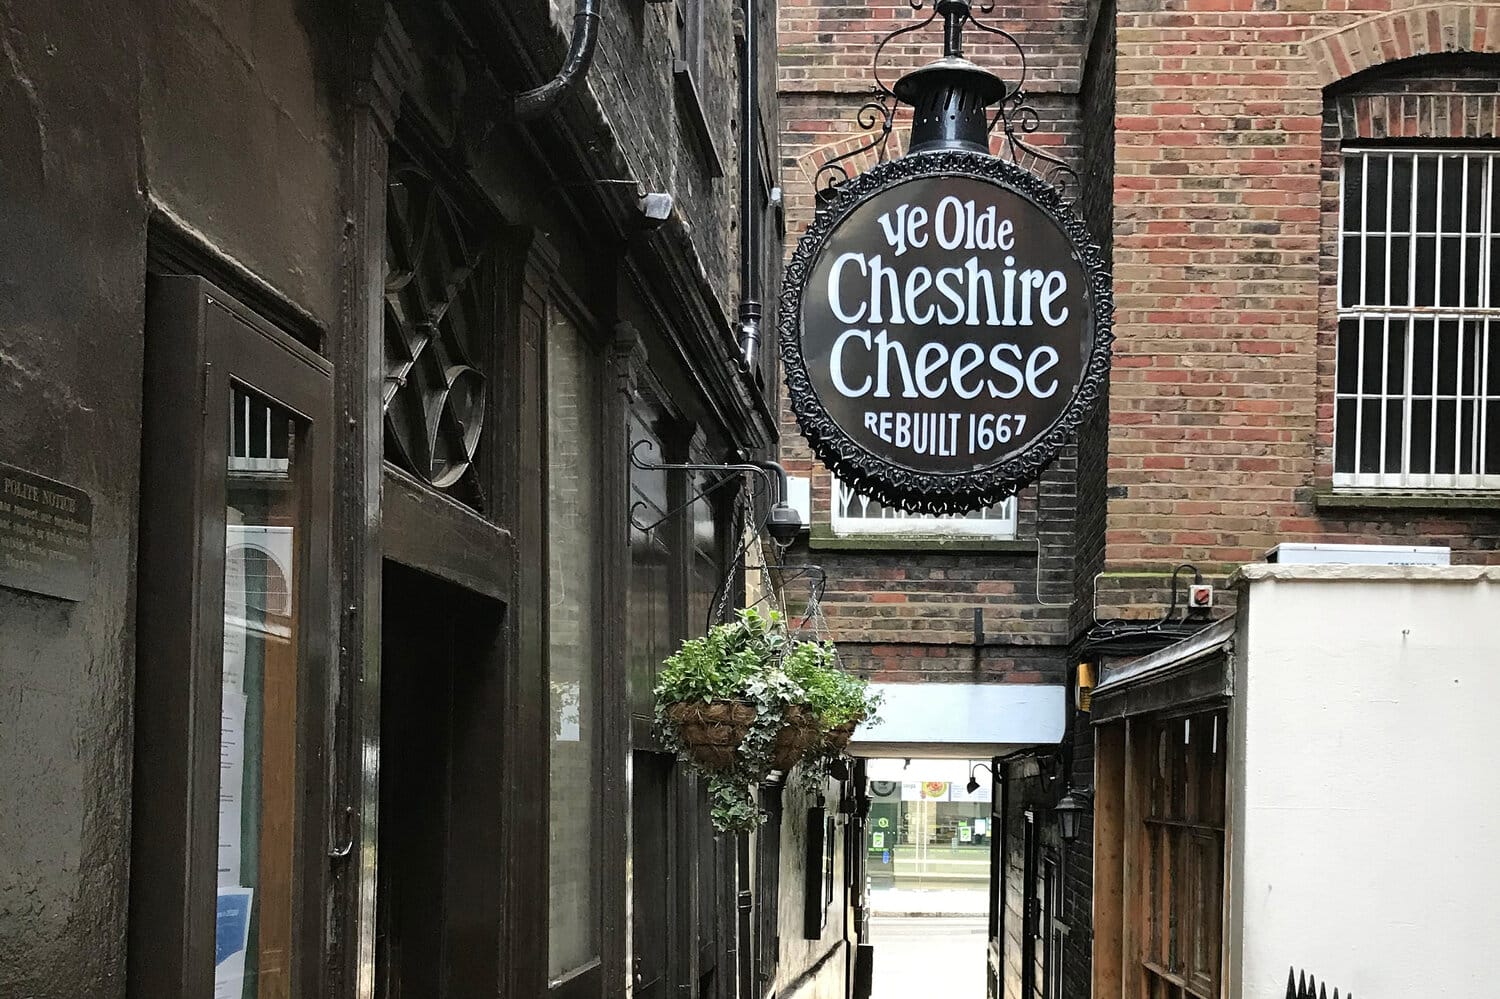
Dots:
pixel 1014 115
pixel 767 472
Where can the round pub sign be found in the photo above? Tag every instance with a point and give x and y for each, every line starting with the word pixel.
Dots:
pixel 945 327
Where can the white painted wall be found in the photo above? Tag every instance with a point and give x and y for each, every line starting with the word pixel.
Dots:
pixel 1365 828
pixel 962 720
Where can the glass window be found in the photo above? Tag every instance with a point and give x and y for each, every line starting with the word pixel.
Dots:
pixel 573 537
pixel 854 513
pixel 1417 390
pixel 257 786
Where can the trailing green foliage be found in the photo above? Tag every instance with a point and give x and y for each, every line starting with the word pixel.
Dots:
pixel 752 660
pixel 836 697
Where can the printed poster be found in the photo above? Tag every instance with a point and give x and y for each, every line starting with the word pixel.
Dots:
pixel 231 940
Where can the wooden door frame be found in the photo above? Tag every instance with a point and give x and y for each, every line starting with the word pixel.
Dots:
pixel 200 340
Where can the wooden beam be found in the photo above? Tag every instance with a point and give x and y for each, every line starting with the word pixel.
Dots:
pixel 1109 859
pixel 1135 879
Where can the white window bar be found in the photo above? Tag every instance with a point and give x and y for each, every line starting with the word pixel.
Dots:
pixel 1425 412
pixel 253 427
pixel 854 513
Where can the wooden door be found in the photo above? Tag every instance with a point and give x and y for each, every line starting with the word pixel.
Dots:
pixel 440 878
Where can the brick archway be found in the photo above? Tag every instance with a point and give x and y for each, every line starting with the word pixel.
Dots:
pixel 1423 30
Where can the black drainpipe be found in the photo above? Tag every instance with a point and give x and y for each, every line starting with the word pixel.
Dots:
pixel 750 221
pixel 535 103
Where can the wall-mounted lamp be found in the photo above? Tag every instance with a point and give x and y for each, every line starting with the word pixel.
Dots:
pixel 782 521
pixel 1075 804
pixel 655 209
pixel 973 784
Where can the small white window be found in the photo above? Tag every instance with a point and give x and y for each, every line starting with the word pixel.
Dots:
pixel 1417 393
pixel 857 514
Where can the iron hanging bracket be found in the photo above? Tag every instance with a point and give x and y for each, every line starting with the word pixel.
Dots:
pixel 765 471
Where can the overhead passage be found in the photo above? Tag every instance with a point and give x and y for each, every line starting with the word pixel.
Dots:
pixel 962 720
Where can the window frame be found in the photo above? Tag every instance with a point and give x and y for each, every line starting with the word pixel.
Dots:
pixel 587 978
pixel 1379 320
pixel 200 342
pixel 917 525
pixel 688 73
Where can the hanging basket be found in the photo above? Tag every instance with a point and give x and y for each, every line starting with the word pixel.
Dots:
pixel 711 731
pixel 839 736
pixel 797 736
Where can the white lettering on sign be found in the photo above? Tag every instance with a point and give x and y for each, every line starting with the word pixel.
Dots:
pixel 914 296
pixel 929 373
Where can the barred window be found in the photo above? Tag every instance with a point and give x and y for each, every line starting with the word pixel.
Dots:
pixel 1417 394
pixel 855 513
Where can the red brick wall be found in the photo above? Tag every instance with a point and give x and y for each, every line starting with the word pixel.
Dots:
pixel 1220 400
pixel 908 614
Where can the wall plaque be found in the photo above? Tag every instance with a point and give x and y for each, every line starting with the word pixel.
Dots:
pixel 46 534
pixel 945 327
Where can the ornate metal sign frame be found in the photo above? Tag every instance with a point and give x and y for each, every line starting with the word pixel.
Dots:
pixel 873 475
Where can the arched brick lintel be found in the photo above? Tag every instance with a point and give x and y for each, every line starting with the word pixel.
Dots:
pixel 1415 31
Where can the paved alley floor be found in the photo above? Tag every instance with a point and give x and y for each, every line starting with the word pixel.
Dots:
pixel 928 957
pixel 917 902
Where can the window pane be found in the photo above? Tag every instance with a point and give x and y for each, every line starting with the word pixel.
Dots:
pixel 1349 275
pixel 1494 275
pixel 1427 193
pixel 258 706
pixel 1343 430
pixel 1451 197
pixel 1375 272
pixel 1395 357
pixel 1468 437
pixel 1400 289
pixel 854 513
pixel 1422 342
pixel 1492 360
pixel 1375 194
pixel 1452 270
pixel 1348 356
pixel 1369 436
pixel 1474 209
pixel 1421 441
pixel 1447 358
pixel 1401 178
pixel 1373 353
pixel 1473 281
pixel 1426 271
pixel 573 538
pixel 1447 437
pixel 1491 449
pixel 1473 345
pixel 1353 179
pixel 1394 435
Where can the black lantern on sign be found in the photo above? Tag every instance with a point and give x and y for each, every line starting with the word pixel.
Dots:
pixel 1075 804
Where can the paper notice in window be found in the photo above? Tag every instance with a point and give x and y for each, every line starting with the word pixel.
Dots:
pixel 231 785
pixel 231 940
pixel 234 612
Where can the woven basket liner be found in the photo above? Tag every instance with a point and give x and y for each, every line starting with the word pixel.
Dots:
pixel 712 730
pixel 795 738
pixel 838 737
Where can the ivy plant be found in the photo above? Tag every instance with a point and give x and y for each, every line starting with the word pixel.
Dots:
pixel 753 661
pixel 741 661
